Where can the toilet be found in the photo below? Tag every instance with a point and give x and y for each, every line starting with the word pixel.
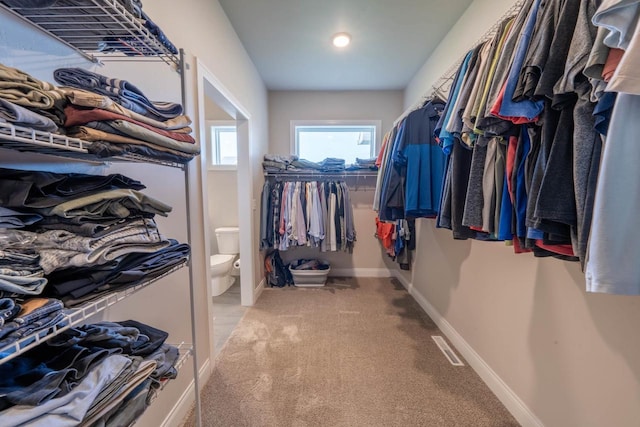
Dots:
pixel 222 263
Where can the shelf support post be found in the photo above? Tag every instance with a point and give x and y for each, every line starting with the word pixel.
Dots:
pixel 194 332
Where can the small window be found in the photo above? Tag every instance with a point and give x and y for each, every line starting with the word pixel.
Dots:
pixel 224 146
pixel 316 141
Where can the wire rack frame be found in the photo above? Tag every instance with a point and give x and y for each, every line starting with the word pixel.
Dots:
pixel 185 350
pixel 84 27
pixel 443 84
pixel 449 75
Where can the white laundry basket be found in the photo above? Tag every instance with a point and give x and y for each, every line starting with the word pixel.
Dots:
pixel 310 278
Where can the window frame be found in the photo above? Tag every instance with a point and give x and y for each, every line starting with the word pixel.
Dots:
pixel 212 149
pixel 377 124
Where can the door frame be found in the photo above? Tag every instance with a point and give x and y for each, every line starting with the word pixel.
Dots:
pixel 208 85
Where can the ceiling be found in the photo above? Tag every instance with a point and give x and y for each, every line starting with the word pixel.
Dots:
pixel 289 41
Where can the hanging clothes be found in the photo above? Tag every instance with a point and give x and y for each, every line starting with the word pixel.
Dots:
pixel 393 182
pixel 536 135
pixel 412 167
pixel 306 213
pixel 419 154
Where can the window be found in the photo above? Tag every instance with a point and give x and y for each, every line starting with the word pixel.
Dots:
pixel 316 141
pixel 224 145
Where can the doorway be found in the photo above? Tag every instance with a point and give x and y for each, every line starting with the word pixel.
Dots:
pixel 227 195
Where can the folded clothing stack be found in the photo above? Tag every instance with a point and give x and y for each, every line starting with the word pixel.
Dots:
pixel 99 374
pixel 121 91
pixel 84 235
pixel 78 284
pixel 29 102
pixel 114 116
pixel 277 163
pixel 331 164
pixel 363 164
pixel 119 118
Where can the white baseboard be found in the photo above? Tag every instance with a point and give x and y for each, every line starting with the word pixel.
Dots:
pixel 360 272
pixel 258 290
pixel 182 407
pixel 509 399
pixel 408 285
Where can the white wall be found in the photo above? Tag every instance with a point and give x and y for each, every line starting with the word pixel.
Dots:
pixel 285 106
pixel 222 185
pixel 573 358
pixel 222 203
pixel 202 28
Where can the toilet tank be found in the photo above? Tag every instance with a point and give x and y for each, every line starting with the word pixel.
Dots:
pixel 228 240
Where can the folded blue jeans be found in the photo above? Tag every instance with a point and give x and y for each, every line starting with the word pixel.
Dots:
pixel 51 320
pixel 33 310
pixel 131 337
pixel 8 310
pixel 23 285
pixel 110 331
pixel 120 335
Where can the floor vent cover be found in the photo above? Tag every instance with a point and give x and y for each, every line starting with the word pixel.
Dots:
pixel 447 351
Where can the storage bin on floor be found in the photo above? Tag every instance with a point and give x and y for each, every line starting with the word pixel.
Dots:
pixel 309 273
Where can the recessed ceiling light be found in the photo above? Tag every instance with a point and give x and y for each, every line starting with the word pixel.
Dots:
pixel 341 39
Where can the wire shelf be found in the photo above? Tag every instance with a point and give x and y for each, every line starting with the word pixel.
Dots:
pixel 99 28
pixel 23 138
pixel 185 351
pixel 75 316
pixel 29 140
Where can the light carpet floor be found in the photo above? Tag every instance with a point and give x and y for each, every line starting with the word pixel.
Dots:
pixel 357 352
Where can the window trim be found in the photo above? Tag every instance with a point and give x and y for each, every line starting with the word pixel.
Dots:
pixel 293 149
pixel 210 146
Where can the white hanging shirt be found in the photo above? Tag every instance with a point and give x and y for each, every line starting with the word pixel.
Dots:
pixel 613 257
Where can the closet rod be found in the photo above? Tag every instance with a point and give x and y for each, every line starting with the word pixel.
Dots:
pixel 355 182
pixel 442 85
pixel 320 176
